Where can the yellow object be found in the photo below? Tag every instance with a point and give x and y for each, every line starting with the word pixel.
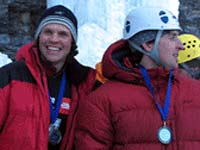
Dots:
pixel 192 48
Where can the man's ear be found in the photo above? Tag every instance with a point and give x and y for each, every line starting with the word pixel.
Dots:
pixel 148 46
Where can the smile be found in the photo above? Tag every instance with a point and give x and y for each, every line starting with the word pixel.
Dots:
pixel 53 48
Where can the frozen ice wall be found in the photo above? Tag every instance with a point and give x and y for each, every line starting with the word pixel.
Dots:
pixel 101 22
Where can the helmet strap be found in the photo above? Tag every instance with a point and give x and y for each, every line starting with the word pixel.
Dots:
pixel 154 53
pixel 135 47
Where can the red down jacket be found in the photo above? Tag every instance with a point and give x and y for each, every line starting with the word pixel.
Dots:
pixel 122 115
pixel 24 103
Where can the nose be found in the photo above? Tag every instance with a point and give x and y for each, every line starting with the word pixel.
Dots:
pixel 53 37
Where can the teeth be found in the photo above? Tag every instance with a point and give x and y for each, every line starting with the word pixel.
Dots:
pixel 53 48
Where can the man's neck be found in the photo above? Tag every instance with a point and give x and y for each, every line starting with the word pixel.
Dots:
pixel 58 67
pixel 148 63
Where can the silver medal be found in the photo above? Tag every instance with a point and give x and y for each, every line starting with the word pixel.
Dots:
pixel 55 135
pixel 164 135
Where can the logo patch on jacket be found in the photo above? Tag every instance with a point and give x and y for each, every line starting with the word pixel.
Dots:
pixel 65 106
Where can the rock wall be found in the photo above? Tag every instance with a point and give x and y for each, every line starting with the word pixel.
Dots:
pixel 18 22
pixel 20 17
pixel 189 16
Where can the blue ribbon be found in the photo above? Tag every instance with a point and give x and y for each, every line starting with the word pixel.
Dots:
pixel 55 111
pixel 165 110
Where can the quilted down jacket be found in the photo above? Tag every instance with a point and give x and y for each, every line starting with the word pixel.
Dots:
pixel 122 115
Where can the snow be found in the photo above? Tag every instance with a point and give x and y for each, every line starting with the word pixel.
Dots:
pixel 4 59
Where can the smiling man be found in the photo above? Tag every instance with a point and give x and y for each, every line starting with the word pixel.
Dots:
pixel 39 93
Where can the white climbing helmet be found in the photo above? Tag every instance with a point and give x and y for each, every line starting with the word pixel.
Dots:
pixel 149 18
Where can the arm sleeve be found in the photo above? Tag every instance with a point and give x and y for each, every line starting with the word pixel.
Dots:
pixel 94 129
pixel 4 95
pixel 3 106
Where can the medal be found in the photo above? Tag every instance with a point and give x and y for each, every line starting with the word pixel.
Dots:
pixel 55 135
pixel 164 135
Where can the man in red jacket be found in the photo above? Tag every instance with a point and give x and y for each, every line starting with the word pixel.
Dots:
pixel 145 104
pixel 40 92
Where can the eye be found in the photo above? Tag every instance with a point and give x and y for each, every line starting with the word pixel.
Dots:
pixel 173 35
pixel 64 34
pixel 47 32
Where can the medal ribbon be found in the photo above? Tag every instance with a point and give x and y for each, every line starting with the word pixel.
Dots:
pixel 163 111
pixel 54 111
